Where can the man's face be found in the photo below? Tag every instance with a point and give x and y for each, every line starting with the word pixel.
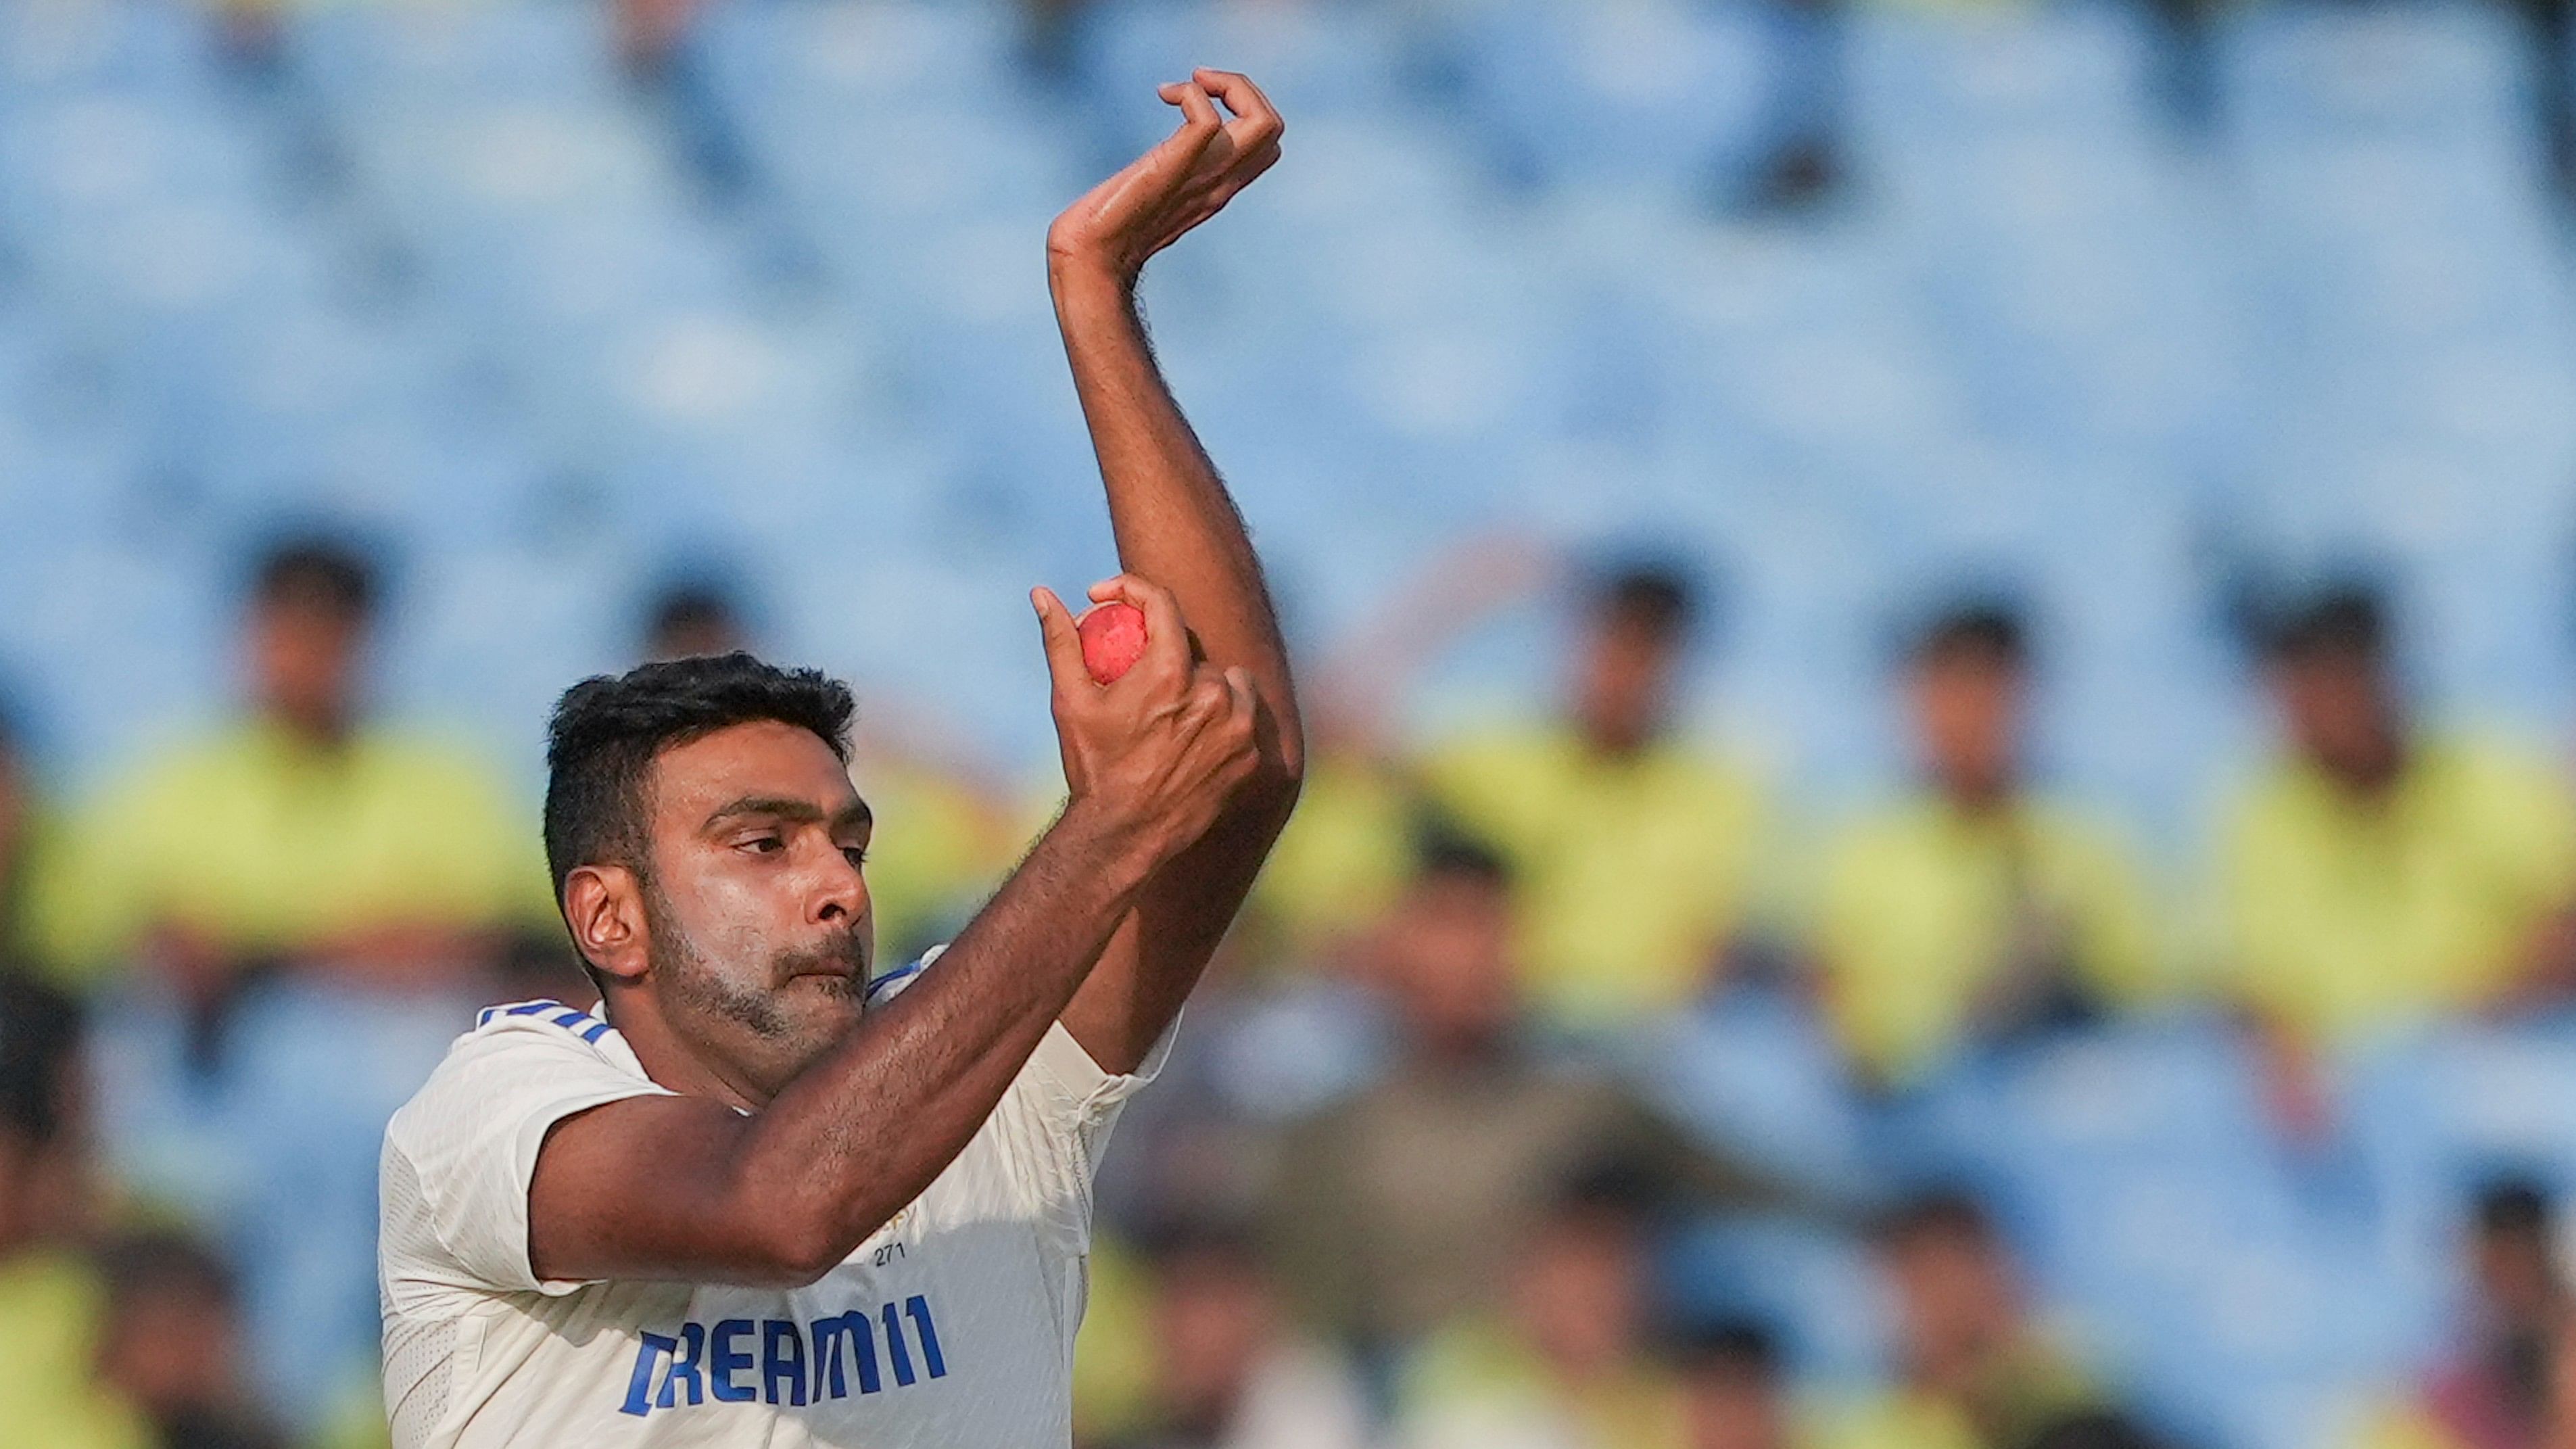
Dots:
pixel 1956 1296
pixel 1447 959
pixel 1623 683
pixel 1581 1295
pixel 303 658
pixel 1967 712
pixel 173 1349
pixel 1213 1322
pixel 1736 1406
pixel 15 808
pixel 2517 1275
pixel 760 926
pixel 2336 706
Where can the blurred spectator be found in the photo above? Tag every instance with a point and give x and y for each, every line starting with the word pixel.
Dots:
pixel 1977 908
pixel 1399 1207
pixel 1566 1362
pixel 2498 1389
pixel 1633 849
pixel 249 33
pixel 1805 165
pixel 1227 1372
pixel 25 835
pixel 1735 1393
pixel 1264 1048
pixel 2187 75
pixel 1973 1371
pixel 2092 1429
pixel 2553 88
pixel 52 1304
pixel 1347 854
pixel 305 833
pixel 650 33
pixel 944 840
pixel 172 1345
pixel 1051 37
pixel 2375 877
pixel 693 619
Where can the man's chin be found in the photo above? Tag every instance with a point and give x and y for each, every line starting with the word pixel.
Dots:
pixel 820 1018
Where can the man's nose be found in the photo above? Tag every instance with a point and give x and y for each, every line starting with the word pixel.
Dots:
pixel 840 891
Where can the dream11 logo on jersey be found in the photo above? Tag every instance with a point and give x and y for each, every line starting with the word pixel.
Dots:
pixel 703 1362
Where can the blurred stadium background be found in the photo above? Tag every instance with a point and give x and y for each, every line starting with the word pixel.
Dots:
pixel 1686 435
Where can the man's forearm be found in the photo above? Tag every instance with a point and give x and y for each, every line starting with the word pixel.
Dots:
pixel 1174 521
pixel 866 1129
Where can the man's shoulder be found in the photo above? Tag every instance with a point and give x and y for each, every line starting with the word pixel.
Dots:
pixel 189 762
pixel 2492 766
pixel 509 1048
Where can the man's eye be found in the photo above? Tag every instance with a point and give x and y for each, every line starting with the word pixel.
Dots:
pixel 765 844
pixel 856 855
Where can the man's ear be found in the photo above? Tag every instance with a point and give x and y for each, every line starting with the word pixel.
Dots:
pixel 604 904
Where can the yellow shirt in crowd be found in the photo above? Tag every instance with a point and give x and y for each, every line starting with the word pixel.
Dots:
pixel 1345 857
pixel 1922 906
pixel 1634 872
pixel 51 1305
pixel 261 842
pixel 2033 1387
pixel 937 850
pixel 2404 1428
pixel 1900 1421
pixel 2348 916
pixel 1478 1385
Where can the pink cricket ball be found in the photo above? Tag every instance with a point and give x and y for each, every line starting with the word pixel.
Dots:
pixel 1113 639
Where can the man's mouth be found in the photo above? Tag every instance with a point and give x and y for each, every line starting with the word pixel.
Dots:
pixel 841 962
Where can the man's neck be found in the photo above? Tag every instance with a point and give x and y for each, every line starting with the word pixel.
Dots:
pixel 675 1063
pixel 1618 746
pixel 1464 1057
pixel 2372 775
pixel 1979 798
pixel 319 734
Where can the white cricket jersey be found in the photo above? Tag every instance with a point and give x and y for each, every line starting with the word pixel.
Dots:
pixel 953 1326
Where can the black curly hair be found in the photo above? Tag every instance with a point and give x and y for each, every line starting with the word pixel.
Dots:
pixel 607 731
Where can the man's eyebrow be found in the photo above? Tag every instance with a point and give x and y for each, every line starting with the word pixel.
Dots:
pixel 801 812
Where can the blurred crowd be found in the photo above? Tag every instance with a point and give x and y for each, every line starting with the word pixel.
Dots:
pixel 1419 1173
pixel 1403 1183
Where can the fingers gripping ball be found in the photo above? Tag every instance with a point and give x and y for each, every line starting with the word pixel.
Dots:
pixel 1113 639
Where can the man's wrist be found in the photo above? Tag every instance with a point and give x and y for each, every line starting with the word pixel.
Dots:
pixel 1082 278
pixel 1120 847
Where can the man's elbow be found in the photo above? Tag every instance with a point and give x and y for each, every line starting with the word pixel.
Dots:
pixel 1270 796
pixel 786 1268
pixel 795 1250
pixel 1283 757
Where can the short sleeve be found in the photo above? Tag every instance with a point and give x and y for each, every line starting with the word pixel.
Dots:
pixel 1060 1113
pixel 1050 1128
pixel 469 1142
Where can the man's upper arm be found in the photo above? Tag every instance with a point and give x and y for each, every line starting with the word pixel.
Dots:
pixel 473 1138
pixel 641 1189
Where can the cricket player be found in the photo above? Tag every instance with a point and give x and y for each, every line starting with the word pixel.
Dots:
pixel 752 1197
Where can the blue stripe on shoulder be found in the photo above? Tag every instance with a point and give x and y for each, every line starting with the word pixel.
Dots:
pixel 894 978
pixel 524 1008
pixel 571 1018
